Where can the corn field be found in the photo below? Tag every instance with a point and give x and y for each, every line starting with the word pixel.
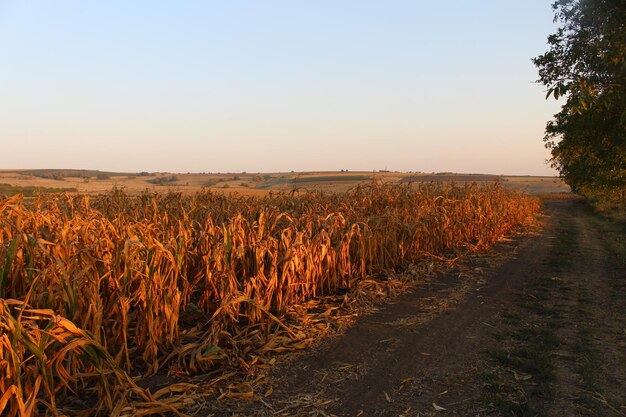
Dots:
pixel 98 294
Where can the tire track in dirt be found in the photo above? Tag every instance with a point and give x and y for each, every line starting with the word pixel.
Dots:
pixel 590 379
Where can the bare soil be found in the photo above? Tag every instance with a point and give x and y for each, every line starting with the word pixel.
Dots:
pixel 540 332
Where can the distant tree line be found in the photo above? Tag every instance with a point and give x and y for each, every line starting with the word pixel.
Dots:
pixel 60 174
pixel 163 180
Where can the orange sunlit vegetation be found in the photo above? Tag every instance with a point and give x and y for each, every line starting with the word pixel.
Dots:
pixel 97 293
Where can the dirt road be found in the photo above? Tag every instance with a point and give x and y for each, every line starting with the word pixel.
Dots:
pixel 541 333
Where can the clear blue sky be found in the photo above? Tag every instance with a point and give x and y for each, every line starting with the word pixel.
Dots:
pixel 274 85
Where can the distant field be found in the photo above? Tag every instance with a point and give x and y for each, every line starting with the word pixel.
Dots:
pixel 450 177
pixel 30 191
pixel 334 178
pixel 536 185
pixel 31 182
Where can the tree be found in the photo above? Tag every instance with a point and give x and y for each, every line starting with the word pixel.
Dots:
pixel 586 64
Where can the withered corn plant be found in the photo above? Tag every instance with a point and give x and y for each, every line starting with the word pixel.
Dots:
pixel 94 290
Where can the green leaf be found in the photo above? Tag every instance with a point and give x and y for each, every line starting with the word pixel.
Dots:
pixel 4 272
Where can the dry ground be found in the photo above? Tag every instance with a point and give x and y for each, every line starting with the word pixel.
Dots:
pixel 540 332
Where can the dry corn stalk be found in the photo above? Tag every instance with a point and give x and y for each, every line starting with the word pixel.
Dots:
pixel 157 281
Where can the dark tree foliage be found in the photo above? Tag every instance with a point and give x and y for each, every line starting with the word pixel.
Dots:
pixel 586 64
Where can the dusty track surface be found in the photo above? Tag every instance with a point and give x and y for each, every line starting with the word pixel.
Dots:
pixel 541 332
